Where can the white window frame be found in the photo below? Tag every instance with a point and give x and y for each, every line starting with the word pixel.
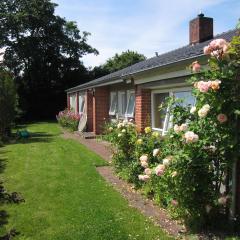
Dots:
pixel 113 113
pixel 127 115
pixel 82 105
pixel 167 120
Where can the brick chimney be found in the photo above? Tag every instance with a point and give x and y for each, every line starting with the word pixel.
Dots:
pixel 200 29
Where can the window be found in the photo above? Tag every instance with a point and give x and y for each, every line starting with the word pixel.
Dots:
pixel 81 99
pixel 161 119
pixel 121 103
pixel 130 104
pixel 73 104
pixel 113 103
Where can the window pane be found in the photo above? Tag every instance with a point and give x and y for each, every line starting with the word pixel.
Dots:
pixel 188 98
pixel 121 103
pixel 113 103
pixel 73 103
pixel 131 104
pixel 81 103
pixel 159 116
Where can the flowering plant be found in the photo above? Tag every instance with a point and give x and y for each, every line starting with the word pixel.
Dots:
pixel 68 119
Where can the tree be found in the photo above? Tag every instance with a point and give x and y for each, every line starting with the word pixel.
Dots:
pixel 118 62
pixel 8 101
pixel 43 51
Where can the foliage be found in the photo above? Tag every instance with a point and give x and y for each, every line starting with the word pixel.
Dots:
pixel 58 180
pixel 8 102
pixel 43 51
pixel 118 62
pixel 189 171
pixel 68 119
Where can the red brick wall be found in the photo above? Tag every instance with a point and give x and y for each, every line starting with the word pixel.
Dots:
pixel 200 30
pixel 68 101
pixel 100 108
pixel 142 107
pixel 89 105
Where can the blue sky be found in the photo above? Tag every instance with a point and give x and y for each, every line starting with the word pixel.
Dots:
pixel 145 26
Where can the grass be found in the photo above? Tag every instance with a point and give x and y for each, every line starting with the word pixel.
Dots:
pixel 65 197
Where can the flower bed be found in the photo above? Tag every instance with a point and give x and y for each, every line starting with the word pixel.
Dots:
pixel 68 119
pixel 189 171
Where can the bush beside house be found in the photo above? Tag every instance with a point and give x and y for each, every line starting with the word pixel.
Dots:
pixel 68 119
pixel 189 171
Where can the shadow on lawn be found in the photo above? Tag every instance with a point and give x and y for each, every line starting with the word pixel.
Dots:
pixel 34 137
pixel 6 198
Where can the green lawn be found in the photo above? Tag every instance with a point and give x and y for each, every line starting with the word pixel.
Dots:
pixel 65 197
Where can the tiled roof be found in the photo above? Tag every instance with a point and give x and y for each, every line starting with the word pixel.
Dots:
pixel 180 54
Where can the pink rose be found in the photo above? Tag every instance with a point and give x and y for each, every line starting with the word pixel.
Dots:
pixel 196 67
pixel 207 50
pixel 159 170
pixel 144 178
pixel 222 118
pixel 148 171
pixel 191 137
pixel 203 86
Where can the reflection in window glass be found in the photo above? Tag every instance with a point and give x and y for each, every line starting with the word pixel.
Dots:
pixel 81 103
pixel 188 98
pixel 113 103
pixel 121 103
pixel 131 105
pixel 159 116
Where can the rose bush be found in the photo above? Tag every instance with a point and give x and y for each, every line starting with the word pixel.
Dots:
pixel 190 170
pixel 68 119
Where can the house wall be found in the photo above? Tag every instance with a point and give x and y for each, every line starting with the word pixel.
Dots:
pixel 100 108
pixel 142 107
pixel 89 106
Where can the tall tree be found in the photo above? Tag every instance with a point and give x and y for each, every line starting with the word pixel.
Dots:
pixel 117 62
pixel 43 51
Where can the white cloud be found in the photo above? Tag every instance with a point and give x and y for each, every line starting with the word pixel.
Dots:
pixel 145 26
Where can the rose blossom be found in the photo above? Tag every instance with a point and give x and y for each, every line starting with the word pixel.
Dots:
pixel 155 134
pixel 144 164
pixel 203 86
pixel 193 109
pixel 207 50
pixel 119 135
pixel 144 178
pixel 148 171
pixel 215 85
pixel 143 158
pixel 174 174
pixel 159 170
pixel 183 127
pixel 176 128
pixel 166 161
pixel 124 130
pixel 156 152
pixel 191 137
pixel 204 111
pixel 139 141
pixel 196 67
pixel 110 129
pixel 222 118
pixel 217 48
pixel 147 129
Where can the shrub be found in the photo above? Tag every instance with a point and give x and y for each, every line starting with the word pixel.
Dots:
pixel 8 102
pixel 190 170
pixel 68 119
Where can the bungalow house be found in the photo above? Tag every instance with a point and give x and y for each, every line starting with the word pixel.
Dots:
pixel 137 91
